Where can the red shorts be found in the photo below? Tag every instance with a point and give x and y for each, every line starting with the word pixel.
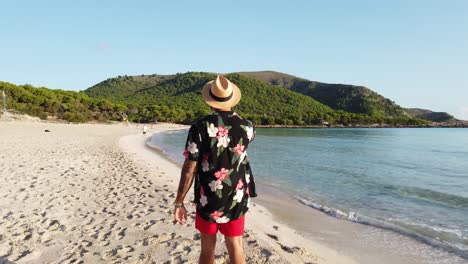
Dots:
pixel 231 228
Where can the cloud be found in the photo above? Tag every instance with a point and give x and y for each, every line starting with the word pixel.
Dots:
pixel 462 113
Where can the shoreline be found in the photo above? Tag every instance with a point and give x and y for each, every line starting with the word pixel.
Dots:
pixel 362 228
pixel 462 124
pixel 359 240
pixel 286 243
pixel 97 193
pixel 16 117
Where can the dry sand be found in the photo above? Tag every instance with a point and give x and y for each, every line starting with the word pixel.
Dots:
pixel 96 194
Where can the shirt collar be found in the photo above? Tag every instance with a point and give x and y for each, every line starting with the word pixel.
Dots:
pixel 223 112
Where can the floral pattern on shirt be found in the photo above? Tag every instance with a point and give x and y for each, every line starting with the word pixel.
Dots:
pixel 224 182
pixel 203 199
pixel 205 165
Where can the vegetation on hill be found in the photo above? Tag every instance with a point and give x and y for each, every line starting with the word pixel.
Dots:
pixel 430 115
pixel 66 105
pixel 349 98
pixel 115 89
pixel 177 98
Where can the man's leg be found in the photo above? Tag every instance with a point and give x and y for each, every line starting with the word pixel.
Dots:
pixel 208 245
pixel 235 249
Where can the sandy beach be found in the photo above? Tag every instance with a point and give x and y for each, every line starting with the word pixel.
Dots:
pixel 94 193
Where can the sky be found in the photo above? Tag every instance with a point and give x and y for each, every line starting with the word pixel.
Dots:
pixel 413 52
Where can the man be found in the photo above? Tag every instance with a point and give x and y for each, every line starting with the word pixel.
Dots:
pixel 216 159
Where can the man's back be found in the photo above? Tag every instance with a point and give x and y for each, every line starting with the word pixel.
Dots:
pixel 223 181
pixel 216 158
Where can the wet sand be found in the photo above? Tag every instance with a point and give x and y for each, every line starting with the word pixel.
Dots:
pixel 366 244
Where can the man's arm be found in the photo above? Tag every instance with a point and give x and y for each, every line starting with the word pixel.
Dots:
pixel 186 180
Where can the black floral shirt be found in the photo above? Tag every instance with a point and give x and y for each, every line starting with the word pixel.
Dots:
pixel 223 182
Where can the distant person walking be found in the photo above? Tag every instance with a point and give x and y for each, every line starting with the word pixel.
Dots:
pixel 216 157
pixel 145 128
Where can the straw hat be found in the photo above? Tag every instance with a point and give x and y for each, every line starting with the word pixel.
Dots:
pixel 221 93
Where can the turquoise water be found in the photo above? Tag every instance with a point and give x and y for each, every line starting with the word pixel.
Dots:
pixel 413 181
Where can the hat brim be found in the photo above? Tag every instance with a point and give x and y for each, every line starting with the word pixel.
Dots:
pixel 236 96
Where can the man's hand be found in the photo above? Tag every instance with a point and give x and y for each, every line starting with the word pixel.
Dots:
pixel 186 180
pixel 180 214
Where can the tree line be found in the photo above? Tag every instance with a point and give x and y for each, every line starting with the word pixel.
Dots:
pixel 178 100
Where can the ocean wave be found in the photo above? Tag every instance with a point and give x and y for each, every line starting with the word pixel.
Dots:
pixel 428 195
pixel 425 234
pixel 449 151
pixel 434 196
pixel 155 143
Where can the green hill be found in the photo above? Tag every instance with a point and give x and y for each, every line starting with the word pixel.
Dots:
pixel 430 115
pixel 66 105
pixel 125 86
pixel 349 98
pixel 177 98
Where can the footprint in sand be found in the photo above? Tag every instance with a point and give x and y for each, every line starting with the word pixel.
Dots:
pixel 164 237
pixel 250 241
pixel 182 247
pixel 273 236
pixel 268 255
pixel 149 224
pixel 288 249
pixel 119 251
pixel 86 243
pixel 143 242
pixel 122 233
pixel 22 254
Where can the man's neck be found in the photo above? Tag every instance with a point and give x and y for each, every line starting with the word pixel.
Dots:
pixel 223 110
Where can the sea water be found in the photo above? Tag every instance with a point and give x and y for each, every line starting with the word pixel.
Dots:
pixel 412 181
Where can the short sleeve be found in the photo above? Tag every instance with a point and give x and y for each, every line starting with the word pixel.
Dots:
pixel 192 145
pixel 251 131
